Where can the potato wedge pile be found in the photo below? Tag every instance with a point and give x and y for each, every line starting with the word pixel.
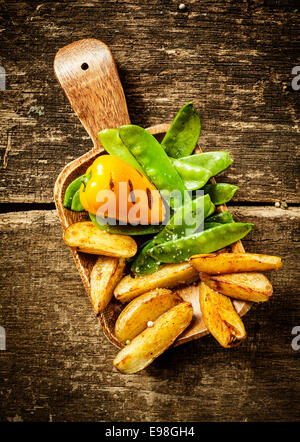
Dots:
pixel 231 275
pixel 147 307
pixel 155 316
pixel 143 323
pixel 154 340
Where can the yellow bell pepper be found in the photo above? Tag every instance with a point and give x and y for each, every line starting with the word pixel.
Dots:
pixel 112 188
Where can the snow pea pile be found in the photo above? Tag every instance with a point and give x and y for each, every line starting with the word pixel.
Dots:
pixel 171 168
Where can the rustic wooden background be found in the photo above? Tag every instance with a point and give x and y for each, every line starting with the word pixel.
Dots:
pixel 234 60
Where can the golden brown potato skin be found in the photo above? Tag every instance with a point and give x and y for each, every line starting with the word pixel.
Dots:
pixel 168 276
pixel 105 275
pixel 153 341
pixel 86 237
pixel 147 307
pixel 215 263
pixel 250 286
pixel 220 317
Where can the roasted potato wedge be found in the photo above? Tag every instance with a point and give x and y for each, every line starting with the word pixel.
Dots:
pixel 147 307
pixel 253 287
pixel 215 263
pixel 220 317
pixel 105 275
pixel 167 276
pixel 153 341
pixel 86 237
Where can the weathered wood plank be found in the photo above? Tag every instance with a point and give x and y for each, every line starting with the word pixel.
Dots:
pixel 230 58
pixel 58 365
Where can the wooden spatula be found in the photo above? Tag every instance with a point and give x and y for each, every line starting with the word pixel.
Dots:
pixel 88 75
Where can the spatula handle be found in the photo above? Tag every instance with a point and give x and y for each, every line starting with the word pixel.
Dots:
pixel 88 75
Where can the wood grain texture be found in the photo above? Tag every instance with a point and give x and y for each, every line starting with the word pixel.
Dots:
pixel 58 364
pixel 234 60
pixel 231 58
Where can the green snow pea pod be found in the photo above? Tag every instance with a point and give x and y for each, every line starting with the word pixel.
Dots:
pixel 125 229
pixel 194 177
pixel 215 161
pixel 76 204
pixel 70 192
pixel 190 216
pixel 144 264
pixel 222 217
pixel 211 225
pixel 195 170
pixel 220 193
pixel 112 143
pixel 187 219
pixel 183 134
pixel 211 209
pixel 206 241
pixel 155 162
